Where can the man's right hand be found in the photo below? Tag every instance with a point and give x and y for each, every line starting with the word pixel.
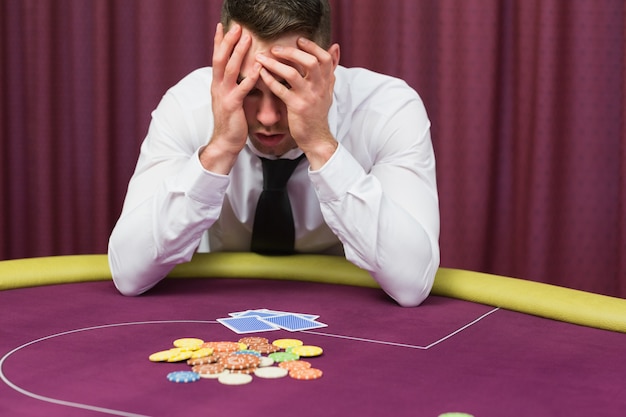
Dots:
pixel 228 92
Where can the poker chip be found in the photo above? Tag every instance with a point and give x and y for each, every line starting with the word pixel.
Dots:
pixel 183 377
pixel 287 343
pixel 240 361
pixel 247 352
pixel 264 348
pixel 203 360
pixel 202 353
pixel 266 361
pixel 306 374
pixel 222 347
pixel 271 372
pixel 307 351
pixel 161 356
pixel 209 368
pixel 292 365
pixel 283 356
pixel 248 371
pixel 179 355
pixel 251 340
pixel 214 376
pixel 234 379
pixel 189 343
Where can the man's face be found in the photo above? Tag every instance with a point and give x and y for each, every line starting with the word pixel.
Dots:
pixel 266 114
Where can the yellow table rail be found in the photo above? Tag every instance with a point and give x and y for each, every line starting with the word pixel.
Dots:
pixel 544 300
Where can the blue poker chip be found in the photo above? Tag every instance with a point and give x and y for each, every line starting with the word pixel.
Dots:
pixel 247 352
pixel 183 377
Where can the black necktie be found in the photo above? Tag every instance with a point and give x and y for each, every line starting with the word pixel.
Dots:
pixel 273 231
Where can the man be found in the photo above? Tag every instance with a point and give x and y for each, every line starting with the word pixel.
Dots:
pixel 365 189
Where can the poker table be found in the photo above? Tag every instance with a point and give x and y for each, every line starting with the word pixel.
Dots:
pixel 71 345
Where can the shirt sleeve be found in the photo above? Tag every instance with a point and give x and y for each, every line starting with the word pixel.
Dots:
pixel 171 201
pixel 387 216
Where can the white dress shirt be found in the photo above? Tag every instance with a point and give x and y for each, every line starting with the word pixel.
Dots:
pixel 374 202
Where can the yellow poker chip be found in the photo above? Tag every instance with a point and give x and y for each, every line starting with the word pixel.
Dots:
pixel 179 355
pixel 201 353
pixel 161 356
pixel 189 343
pixel 307 351
pixel 287 343
pixel 242 346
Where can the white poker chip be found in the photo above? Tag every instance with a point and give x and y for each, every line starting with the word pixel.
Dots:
pixel 235 379
pixel 266 361
pixel 213 376
pixel 271 372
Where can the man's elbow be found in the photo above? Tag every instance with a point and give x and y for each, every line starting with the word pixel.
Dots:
pixel 409 298
pixel 409 290
pixel 127 288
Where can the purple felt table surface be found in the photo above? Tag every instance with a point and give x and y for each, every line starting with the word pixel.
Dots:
pixel 82 350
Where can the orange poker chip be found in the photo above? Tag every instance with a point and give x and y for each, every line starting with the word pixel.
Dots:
pixel 264 348
pixel 222 347
pixel 294 365
pixel 252 340
pixel 306 374
pixel 208 369
pixel 246 371
pixel 240 361
pixel 203 360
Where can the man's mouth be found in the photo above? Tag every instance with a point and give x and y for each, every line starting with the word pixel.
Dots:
pixel 269 140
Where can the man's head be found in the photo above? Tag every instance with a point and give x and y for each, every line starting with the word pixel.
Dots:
pixel 272 19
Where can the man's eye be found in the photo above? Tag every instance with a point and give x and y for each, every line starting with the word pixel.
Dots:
pixel 254 92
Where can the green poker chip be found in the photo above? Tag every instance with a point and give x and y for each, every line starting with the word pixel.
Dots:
pixel 283 356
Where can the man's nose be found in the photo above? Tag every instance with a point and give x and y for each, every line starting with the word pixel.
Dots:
pixel 268 113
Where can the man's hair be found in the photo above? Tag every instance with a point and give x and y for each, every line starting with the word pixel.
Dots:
pixel 271 19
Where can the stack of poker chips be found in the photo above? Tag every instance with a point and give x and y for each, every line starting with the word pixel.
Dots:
pixel 234 363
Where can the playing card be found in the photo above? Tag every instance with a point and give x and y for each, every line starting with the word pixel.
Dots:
pixel 264 312
pixel 293 322
pixel 247 324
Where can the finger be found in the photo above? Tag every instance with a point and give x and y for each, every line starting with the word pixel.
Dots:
pixel 278 88
pixel 249 81
pixel 314 49
pixel 217 42
pixel 233 67
pixel 291 75
pixel 223 45
pixel 303 61
pixel 324 59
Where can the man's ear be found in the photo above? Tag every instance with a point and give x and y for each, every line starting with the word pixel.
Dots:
pixel 335 53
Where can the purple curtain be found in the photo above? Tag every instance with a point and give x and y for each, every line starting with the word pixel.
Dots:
pixel 527 100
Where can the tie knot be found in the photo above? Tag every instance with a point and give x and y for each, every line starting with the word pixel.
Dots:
pixel 276 172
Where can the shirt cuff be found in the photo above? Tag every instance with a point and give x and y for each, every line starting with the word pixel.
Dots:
pixel 335 178
pixel 201 185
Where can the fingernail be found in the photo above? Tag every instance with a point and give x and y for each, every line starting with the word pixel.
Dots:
pixel 277 48
pixel 261 57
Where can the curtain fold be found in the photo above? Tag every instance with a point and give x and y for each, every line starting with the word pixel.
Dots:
pixel 527 100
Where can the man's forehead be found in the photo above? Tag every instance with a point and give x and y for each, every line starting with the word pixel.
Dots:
pixel 259 46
